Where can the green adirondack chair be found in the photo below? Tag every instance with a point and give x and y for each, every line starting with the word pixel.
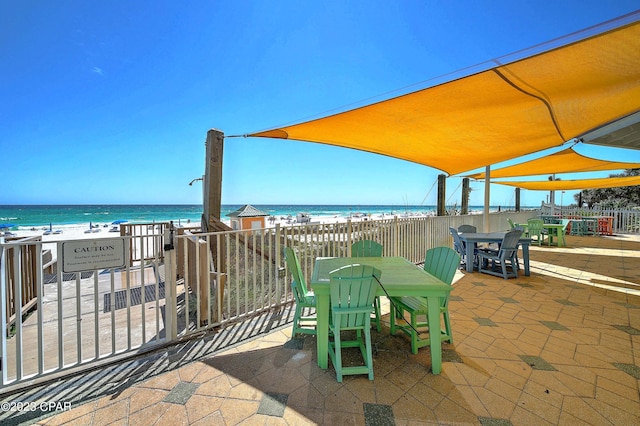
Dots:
pixel 511 224
pixel 579 227
pixel 370 248
pixel 566 224
pixel 535 229
pixel 304 298
pixel 366 248
pixel 441 262
pixel 352 290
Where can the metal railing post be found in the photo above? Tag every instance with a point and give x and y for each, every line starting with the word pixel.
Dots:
pixel 3 313
pixel 39 296
pixel 171 299
pixel 278 253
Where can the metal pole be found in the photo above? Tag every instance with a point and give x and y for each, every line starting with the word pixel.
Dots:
pixel 171 331
pixel 487 197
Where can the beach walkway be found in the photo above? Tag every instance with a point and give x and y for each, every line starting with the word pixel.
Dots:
pixel 558 347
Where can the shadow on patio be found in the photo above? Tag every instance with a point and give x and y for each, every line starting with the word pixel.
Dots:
pixel 558 347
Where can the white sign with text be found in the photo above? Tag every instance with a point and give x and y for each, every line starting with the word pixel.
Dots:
pixel 85 255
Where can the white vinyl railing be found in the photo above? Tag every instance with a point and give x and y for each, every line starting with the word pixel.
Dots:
pixel 171 286
pixel 247 274
pixel 627 220
pixel 87 315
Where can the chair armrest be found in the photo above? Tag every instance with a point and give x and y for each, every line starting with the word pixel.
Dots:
pixel 363 310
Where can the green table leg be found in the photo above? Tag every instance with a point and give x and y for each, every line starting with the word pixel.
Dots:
pixel 322 313
pixel 434 334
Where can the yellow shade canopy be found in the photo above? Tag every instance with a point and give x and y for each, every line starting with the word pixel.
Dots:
pixel 565 161
pixel 499 114
pixel 578 184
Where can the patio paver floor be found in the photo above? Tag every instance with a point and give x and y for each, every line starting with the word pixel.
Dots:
pixel 558 347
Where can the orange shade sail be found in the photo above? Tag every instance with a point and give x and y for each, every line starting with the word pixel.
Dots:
pixel 565 161
pixel 578 184
pixel 499 114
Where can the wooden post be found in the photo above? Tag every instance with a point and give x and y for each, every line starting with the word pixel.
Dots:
pixel 442 186
pixel 464 206
pixel 213 176
pixel 212 193
pixel 517 199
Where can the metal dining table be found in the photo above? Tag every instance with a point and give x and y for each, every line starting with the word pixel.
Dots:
pixel 399 278
pixel 471 240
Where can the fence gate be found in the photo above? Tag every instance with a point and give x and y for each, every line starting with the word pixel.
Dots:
pixel 67 304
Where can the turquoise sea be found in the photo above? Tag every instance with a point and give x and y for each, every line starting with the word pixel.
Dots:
pixel 60 216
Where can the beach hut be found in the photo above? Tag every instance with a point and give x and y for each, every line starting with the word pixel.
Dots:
pixel 247 217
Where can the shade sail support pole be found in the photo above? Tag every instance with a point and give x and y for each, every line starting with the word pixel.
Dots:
pixel 487 197
pixel 213 177
pixel 552 196
pixel 442 188
pixel 212 204
pixel 464 207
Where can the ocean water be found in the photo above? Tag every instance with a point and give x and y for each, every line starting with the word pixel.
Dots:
pixel 60 216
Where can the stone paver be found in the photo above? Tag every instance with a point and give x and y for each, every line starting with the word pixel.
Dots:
pixel 553 348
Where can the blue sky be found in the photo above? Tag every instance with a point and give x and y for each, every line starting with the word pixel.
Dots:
pixel 110 101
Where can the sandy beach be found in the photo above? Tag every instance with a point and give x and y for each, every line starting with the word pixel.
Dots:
pixel 50 237
pixel 106 230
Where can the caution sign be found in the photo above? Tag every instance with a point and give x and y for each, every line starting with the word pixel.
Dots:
pixel 85 255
